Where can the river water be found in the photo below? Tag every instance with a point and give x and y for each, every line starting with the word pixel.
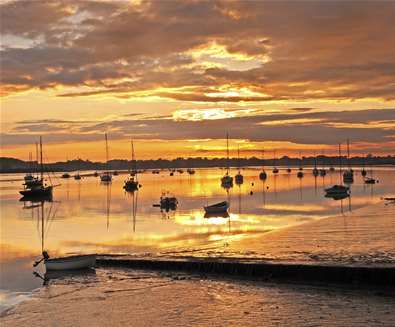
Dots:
pixel 87 216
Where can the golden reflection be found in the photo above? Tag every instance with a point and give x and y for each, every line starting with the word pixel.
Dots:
pixel 94 217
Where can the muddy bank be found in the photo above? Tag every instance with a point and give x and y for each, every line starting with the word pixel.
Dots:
pixel 261 270
pixel 125 297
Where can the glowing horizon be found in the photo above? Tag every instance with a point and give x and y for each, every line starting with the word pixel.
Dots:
pixel 124 68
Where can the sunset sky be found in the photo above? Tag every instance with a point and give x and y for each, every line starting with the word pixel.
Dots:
pixel 175 76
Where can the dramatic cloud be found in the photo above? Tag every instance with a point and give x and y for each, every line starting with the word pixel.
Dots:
pixel 201 51
pixel 377 126
pixel 302 72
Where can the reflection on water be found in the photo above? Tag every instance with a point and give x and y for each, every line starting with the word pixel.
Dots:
pixel 89 216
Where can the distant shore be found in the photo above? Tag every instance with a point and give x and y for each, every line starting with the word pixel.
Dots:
pixel 12 165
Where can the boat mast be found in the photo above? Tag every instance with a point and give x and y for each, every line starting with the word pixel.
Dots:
pixel 134 161
pixel 340 164
pixel 42 226
pixel 348 154
pixel 238 157
pixel 36 168
pixel 263 159
pixel 105 136
pixel 227 153
pixel 300 160
pixel 41 159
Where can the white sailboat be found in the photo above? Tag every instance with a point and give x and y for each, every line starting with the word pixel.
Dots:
pixel 262 174
pixel 106 176
pixel 227 180
pixel 275 169
pixel 338 191
pixel 300 173
pixel 37 187
pixel 239 179
pixel 348 175
pixel 315 169
pixel 132 184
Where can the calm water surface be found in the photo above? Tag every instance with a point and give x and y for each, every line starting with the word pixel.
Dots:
pixel 88 216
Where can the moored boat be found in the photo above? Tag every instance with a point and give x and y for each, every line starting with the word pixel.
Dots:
pixel 227 180
pixel 239 179
pixel 37 188
pixel 106 176
pixel 71 262
pixel 132 184
pixel 369 180
pixel 220 207
pixel 262 174
pixel 337 189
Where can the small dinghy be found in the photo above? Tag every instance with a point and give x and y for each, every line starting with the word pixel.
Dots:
pixel 337 190
pixel 369 180
pixel 217 208
pixel 68 263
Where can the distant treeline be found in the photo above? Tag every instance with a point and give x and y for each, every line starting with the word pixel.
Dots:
pixel 8 165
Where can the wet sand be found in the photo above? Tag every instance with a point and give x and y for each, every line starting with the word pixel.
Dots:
pixel 125 297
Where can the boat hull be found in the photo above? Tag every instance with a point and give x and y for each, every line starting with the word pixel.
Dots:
pixel 71 263
pixel 36 193
pixel 218 208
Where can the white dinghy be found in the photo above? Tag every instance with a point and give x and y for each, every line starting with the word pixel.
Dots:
pixel 73 262
pixel 70 263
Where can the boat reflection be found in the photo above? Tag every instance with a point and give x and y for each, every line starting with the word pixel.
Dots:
pixel 70 275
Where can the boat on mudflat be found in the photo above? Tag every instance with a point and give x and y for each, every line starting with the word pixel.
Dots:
pixel 71 262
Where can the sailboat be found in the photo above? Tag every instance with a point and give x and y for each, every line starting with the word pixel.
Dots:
pixel 227 180
pixel 29 176
pixel 300 172
pixel 323 170
pixel 239 177
pixel 38 188
pixel 338 191
pixel 263 175
pixel 106 177
pixel 289 170
pixel 275 169
pixel 363 171
pixel 348 175
pixel 30 179
pixel 370 180
pixel 315 170
pixel 132 184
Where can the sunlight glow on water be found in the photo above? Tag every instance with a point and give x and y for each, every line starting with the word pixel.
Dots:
pixel 87 216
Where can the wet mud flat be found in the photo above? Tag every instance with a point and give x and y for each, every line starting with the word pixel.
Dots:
pixel 127 297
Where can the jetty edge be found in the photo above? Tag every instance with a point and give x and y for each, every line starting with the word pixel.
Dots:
pixel 255 269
